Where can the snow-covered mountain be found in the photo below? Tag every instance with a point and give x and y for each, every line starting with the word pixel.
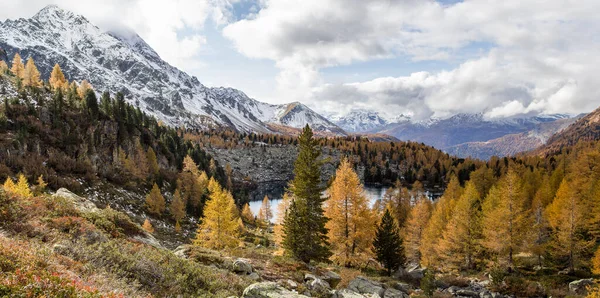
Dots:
pixel 464 128
pixel 126 63
pixel 360 121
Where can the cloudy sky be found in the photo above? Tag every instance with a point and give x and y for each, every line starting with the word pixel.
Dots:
pixel 421 58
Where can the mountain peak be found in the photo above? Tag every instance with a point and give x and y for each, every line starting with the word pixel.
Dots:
pixel 53 13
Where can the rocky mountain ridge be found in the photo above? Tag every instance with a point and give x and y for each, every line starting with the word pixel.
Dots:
pixel 125 62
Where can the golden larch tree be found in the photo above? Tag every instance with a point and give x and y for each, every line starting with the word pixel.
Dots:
pixel 155 202
pixel 504 219
pixel 18 69
pixel 460 242
pixel 436 226
pixel 22 187
pixel 3 67
pixel 57 78
pixel 265 213
pixel 415 228
pixel 282 209
pixel 350 226
pixel 566 217
pixel 398 200
pixel 220 226
pixel 9 185
pixel 32 74
pixel 147 226
pixel 177 207
pixel 247 214
pixel 83 88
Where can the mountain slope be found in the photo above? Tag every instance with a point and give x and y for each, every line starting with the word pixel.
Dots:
pixel 463 128
pixel 585 129
pixel 511 144
pixel 360 121
pixel 125 63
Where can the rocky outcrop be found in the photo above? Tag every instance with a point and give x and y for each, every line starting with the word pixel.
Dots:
pixel 580 287
pixel 242 266
pixel 363 285
pixel 80 203
pixel 269 290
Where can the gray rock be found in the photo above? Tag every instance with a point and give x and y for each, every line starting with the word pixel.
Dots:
pixel 404 287
pixel 181 251
pixel 345 293
pixel 332 278
pixel 580 286
pixel 393 293
pixel 467 293
pixel 309 277
pixel 362 285
pixel 318 287
pixel 269 290
pixel 148 239
pixel 80 203
pixel 486 294
pixel 416 272
pixel 291 284
pixel 242 266
pixel 254 276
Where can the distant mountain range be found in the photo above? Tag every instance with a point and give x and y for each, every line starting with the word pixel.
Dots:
pixel 126 63
pixel 465 135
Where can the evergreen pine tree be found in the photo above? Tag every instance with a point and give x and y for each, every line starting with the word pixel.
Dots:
pixel 91 103
pixel 105 104
pixel 388 246
pixel 304 226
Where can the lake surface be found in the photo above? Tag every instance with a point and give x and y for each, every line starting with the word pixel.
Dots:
pixel 373 192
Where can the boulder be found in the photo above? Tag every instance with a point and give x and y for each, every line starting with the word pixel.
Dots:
pixel 148 239
pixel 416 272
pixel 269 290
pixel 290 284
pixel 393 293
pixel 362 285
pixel 309 277
pixel 80 203
pixel 254 276
pixel 467 293
pixel 404 287
pixel 242 266
pixel 318 287
pixel 345 293
pixel 332 278
pixel 580 286
pixel 182 251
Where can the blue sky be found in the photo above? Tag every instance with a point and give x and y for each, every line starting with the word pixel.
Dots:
pixel 422 58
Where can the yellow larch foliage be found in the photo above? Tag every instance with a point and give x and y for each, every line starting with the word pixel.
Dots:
pixel 282 208
pixel 177 207
pixel 18 69
pixel 220 226
pixel 247 213
pixel 265 213
pixel 83 88
pixel 566 217
pixel 9 185
pixel 460 242
pixel 350 225
pixel 504 218
pixel 398 200
pixel 57 78
pixel 148 226
pixel 32 74
pixel 436 227
pixel 415 228
pixel 596 262
pixel 3 67
pixel 22 187
pixel 155 202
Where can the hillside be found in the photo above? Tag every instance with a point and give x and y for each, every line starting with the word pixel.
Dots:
pixel 512 144
pixel 585 129
pixel 126 63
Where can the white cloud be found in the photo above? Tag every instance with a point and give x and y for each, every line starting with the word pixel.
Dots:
pixel 543 57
